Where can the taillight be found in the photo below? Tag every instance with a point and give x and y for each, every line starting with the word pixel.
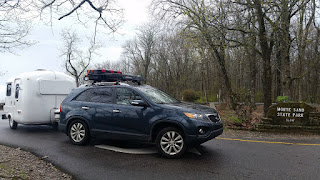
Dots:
pixel 60 107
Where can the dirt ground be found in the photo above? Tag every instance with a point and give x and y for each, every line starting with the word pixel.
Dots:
pixel 231 119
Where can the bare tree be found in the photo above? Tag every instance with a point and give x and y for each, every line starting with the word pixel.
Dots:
pixel 112 65
pixel 76 61
pixel 2 73
pixel 13 27
pixel 105 13
pixel 15 17
pixel 208 18
pixel 141 49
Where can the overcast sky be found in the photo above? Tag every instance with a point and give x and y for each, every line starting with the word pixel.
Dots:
pixel 46 55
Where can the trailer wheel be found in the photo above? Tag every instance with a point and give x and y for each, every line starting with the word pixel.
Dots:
pixel 13 124
pixel 78 132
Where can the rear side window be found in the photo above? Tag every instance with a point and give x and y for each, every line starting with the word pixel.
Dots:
pixel 9 87
pixel 99 95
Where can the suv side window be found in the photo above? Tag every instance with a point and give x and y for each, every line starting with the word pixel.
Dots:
pixel 125 95
pixel 99 95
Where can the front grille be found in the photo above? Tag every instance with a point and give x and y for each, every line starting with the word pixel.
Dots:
pixel 214 118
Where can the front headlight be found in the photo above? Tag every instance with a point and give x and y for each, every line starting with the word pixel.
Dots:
pixel 202 117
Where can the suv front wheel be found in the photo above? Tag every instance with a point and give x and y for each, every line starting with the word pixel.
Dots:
pixel 78 132
pixel 171 142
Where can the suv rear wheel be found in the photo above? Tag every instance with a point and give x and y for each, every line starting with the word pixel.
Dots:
pixel 79 132
pixel 171 142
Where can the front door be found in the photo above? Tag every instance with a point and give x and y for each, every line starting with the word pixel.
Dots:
pixel 128 118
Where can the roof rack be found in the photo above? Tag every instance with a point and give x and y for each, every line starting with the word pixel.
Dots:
pixel 103 75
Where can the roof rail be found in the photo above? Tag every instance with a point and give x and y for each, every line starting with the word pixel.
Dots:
pixel 102 75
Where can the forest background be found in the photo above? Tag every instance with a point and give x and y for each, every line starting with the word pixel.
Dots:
pixel 247 51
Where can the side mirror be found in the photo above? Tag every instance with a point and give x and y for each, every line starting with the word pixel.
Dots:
pixel 138 103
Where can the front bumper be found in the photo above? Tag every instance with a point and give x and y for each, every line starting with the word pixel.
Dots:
pixel 199 139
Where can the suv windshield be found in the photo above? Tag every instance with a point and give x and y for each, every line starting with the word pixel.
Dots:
pixel 158 96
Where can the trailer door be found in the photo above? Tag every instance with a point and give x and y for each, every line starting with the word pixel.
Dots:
pixel 8 102
pixel 17 100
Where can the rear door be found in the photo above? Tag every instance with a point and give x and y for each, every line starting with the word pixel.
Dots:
pixel 97 106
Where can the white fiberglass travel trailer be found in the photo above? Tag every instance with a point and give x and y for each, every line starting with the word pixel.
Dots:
pixel 33 97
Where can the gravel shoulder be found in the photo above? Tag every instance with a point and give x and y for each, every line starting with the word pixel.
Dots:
pixel 18 164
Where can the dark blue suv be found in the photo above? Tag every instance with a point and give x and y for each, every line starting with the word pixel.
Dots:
pixel 137 112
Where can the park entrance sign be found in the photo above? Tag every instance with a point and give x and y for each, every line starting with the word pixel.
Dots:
pixel 290 114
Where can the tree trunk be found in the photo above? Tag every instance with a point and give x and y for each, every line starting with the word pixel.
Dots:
pixel 266 49
pixel 253 67
pixel 221 61
pixel 278 71
pixel 285 48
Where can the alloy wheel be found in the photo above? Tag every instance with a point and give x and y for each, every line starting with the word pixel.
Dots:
pixel 77 132
pixel 171 142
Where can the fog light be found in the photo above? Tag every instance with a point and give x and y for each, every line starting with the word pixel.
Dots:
pixel 202 131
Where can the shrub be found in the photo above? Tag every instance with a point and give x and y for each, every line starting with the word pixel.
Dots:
pixel 235 120
pixel 259 97
pixel 189 95
pixel 282 99
pixel 210 99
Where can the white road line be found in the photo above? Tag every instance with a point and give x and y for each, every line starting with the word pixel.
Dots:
pixel 151 150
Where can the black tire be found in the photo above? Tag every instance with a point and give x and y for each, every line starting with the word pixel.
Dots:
pixel 12 123
pixel 78 132
pixel 171 142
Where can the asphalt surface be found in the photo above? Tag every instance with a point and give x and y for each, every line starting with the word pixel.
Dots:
pixel 219 159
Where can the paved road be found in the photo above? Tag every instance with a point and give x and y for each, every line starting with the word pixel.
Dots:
pixel 220 159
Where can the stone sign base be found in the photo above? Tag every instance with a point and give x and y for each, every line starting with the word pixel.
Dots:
pixel 313 125
pixel 287 128
pixel 314 118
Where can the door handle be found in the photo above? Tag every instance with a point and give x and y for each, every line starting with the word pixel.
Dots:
pixel 116 111
pixel 85 108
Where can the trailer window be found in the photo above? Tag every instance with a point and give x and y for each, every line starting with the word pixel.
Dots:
pixel 17 91
pixel 9 85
